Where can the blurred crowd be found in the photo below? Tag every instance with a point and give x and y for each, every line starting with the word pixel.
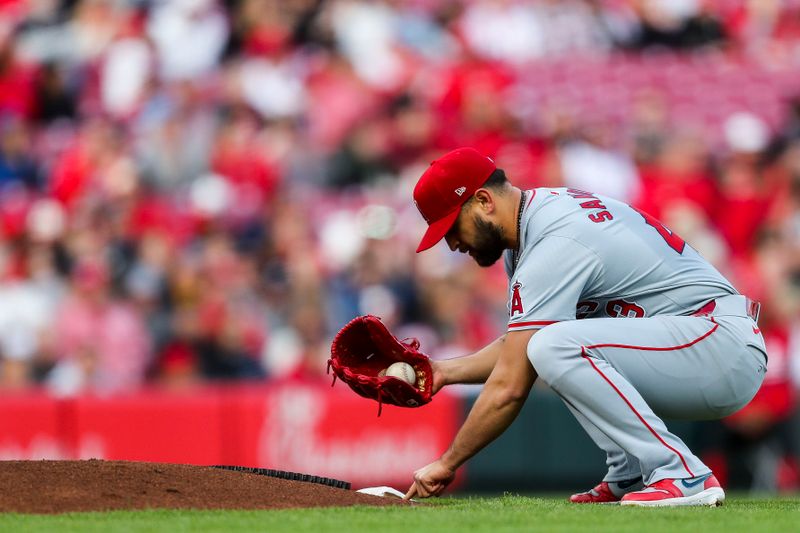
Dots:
pixel 199 190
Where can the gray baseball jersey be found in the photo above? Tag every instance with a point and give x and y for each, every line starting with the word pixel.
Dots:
pixel 588 256
pixel 616 297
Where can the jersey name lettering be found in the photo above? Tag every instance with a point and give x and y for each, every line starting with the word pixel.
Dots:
pixel 592 202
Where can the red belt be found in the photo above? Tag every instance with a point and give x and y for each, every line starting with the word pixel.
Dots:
pixel 752 308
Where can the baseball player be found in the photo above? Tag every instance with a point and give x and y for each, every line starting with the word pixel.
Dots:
pixel 618 315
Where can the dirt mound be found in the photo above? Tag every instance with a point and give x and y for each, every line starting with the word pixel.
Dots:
pixel 69 486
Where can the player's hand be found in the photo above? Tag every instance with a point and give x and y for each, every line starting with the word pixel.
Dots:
pixel 430 480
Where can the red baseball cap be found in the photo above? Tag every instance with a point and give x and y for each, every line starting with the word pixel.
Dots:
pixel 443 188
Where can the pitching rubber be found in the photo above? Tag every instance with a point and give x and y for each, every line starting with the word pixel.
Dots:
pixel 711 497
pixel 293 476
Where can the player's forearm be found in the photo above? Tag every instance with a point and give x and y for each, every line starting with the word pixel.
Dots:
pixel 491 415
pixel 500 400
pixel 474 368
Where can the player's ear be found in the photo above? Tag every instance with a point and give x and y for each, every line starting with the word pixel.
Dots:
pixel 485 200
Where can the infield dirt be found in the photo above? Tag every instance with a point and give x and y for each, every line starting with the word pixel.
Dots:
pixel 94 485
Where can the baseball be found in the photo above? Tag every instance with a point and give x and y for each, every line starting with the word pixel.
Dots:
pixel 402 371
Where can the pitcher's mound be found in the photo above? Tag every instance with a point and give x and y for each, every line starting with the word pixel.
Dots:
pixel 71 486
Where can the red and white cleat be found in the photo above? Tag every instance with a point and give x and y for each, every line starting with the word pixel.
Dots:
pixel 701 490
pixel 607 492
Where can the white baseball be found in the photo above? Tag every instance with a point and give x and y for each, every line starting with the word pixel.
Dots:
pixel 402 371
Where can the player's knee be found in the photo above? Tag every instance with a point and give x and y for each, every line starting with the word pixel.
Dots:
pixel 549 350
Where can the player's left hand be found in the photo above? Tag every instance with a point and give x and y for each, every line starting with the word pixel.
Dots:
pixel 430 480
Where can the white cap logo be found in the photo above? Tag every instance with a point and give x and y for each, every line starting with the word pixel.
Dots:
pixel 461 190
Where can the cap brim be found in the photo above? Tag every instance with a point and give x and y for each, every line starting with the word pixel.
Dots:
pixel 438 230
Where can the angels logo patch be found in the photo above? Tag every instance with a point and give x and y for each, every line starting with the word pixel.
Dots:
pixel 516 300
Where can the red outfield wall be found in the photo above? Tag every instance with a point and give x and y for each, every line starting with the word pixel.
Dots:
pixel 301 427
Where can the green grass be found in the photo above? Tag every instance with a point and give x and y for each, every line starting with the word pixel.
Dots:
pixel 506 513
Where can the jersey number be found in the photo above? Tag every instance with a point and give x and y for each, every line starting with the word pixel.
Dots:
pixel 672 239
pixel 624 309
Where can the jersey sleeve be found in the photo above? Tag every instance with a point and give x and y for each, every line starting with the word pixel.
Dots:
pixel 548 283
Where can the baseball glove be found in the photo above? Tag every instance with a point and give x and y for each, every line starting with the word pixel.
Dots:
pixel 361 352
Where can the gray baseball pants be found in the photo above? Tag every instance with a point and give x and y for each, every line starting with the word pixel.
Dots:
pixel 619 376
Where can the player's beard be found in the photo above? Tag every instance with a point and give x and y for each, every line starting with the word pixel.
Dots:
pixel 489 242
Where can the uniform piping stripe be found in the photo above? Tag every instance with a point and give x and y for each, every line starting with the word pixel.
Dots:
pixel 524 324
pixel 619 392
pixel 531 198
pixel 534 323
pixel 657 348
pixel 656 435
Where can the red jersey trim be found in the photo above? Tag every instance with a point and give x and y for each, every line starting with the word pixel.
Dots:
pixel 517 325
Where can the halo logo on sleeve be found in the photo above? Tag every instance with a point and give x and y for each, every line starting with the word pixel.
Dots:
pixel 516 300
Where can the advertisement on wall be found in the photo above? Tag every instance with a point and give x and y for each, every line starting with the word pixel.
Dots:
pixel 299 427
